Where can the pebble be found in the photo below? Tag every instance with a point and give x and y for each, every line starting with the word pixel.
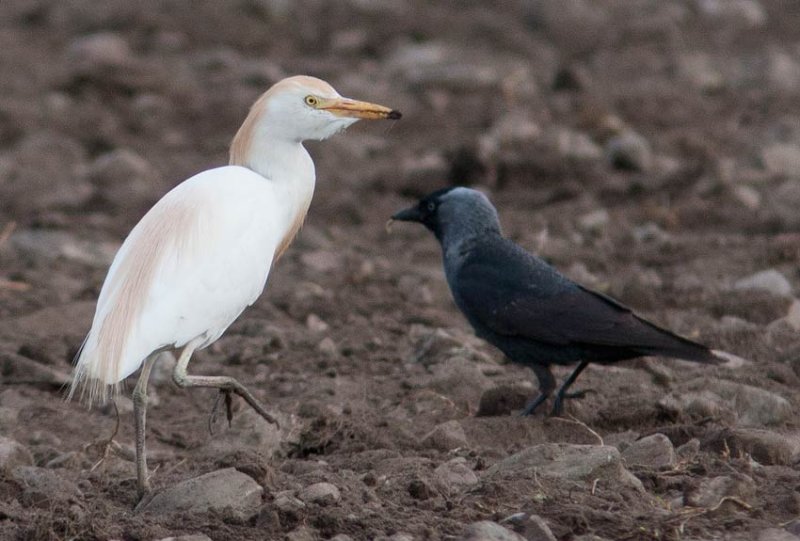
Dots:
pixel 41 486
pixel 536 529
pixel 13 454
pixel 629 151
pixel 486 530
pixel 701 71
pixel 595 220
pixel 287 502
pixel 455 476
pixel 303 533
pixel 576 146
pixel 320 493
pixel 504 399
pixel 747 196
pixel 765 446
pixel 793 315
pixel 103 49
pixel 123 178
pixel 709 492
pixel 767 280
pixel 219 491
pixel 49 245
pixel 746 13
pixel 189 537
pixel 688 450
pixel 328 346
pixel 315 324
pixel 782 159
pixel 654 451
pixel 776 534
pixel 566 461
pixel 446 436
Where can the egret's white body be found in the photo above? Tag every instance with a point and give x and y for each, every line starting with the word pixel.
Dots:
pixel 203 253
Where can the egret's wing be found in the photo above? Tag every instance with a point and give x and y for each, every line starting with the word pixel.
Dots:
pixel 189 267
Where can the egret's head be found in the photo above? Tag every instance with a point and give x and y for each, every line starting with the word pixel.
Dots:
pixel 453 212
pixel 302 107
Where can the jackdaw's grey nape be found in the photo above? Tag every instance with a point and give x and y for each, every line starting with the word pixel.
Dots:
pixel 526 308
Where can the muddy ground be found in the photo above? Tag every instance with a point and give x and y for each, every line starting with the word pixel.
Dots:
pixel 649 149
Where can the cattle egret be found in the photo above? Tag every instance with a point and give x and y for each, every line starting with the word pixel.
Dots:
pixel 202 254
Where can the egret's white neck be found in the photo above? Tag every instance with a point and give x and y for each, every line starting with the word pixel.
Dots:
pixel 285 164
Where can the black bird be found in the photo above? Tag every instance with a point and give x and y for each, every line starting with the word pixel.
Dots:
pixel 535 315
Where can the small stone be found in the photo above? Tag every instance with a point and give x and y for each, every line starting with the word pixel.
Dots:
pixel 701 71
pixel 503 399
pixel 101 49
pixel 41 486
pixel 765 446
pixel 782 159
pixel 793 316
pixel 189 537
pixel 13 454
pixel 576 146
pixel 486 530
pixel 650 232
pixel 50 245
pixel 629 151
pixel 320 493
pixel 776 534
pixel 420 489
pixel 566 461
pixel 303 533
pixel 321 261
pixel 536 529
pixel 446 436
pixel 287 502
pixel 328 346
pixel 595 220
pixel 738 13
pixel 654 451
pixel 123 178
pixel 709 492
pixel 222 491
pixel 747 196
pixel 688 450
pixel 455 476
pixel 768 280
pixel 341 537
pixel 315 324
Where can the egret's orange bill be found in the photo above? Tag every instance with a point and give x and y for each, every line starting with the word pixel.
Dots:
pixel 359 109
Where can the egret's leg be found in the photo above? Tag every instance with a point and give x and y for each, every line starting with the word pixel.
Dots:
pixel 546 385
pixel 558 404
pixel 224 383
pixel 139 413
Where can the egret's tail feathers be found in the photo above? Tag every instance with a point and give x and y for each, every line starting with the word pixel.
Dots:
pixel 729 360
pixel 87 383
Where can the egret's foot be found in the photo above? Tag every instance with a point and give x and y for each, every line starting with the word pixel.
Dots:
pixel 144 497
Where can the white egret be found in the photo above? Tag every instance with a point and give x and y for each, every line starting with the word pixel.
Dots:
pixel 202 254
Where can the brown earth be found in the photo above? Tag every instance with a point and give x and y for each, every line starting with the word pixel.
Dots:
pixel 649 149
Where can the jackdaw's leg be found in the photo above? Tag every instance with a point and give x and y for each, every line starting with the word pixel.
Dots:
pixel 224 383
pixel 558 404
pixel 140 413
pixel 546 385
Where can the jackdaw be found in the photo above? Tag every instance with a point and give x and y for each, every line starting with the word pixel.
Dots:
pixel 535 315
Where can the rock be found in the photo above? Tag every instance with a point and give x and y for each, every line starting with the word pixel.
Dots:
pixel 42 487
pixel 566 461
pixel 287 502
pixel 513 132
pixel 123 179
pixel 503 399
pixel 189 537
pixel 747 196
pixel 776 534
pixel 395 537
pixel 736 13
pixel 49 245
pixel 536 529
pixel 594 221
pixel 768 280
pixel 341 537
pixel 328 347
pixel 486 530
pixel 320 493
pixel 437 64
pixel 701 71
pixel 446 436
pixel 750 406
pixel 104 49
pixel 782 159
pixel 783 71
pixel 321 261
pixel 315 324
pixel 420 489
pixel 793 316
pixel 461 380
pixel 249 430
pixel 765 446
pixel 650 232
pixel 13 454
pixel 303 533
pixel 226 490
pixel 629 151
pixel 588 537
pixel 454 476
pixel 709 492
pixel 688 450
pixel 8 421
pixel 576 146
pixel 654 451
pixel 44 174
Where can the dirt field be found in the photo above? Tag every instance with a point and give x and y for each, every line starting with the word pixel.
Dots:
pixel 647 148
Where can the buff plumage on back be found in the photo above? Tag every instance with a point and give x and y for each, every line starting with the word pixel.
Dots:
pixel 105 357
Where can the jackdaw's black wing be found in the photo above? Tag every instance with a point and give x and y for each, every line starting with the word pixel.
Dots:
pixel 513 293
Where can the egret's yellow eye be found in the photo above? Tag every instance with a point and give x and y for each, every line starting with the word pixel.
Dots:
pixel 312 101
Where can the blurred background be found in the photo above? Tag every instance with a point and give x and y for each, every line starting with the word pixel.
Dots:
pixel 647 148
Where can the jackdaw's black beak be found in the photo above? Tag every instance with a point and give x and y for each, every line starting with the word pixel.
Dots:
pixel 411 214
